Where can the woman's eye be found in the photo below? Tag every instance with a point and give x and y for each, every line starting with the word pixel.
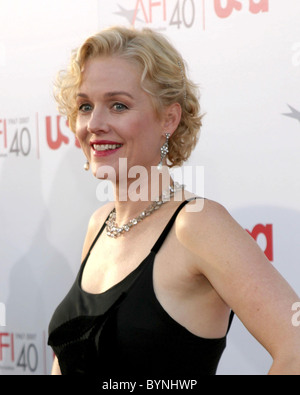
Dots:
pixel 120 107
pixel 85 108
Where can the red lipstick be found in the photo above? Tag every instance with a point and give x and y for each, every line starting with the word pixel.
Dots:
pixel 103 148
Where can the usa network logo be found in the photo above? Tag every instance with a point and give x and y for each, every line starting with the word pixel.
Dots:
pixel 183 13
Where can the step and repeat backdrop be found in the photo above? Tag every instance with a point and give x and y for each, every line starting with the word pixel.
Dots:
pixel 245 57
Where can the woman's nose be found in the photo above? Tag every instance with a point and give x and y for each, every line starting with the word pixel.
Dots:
pixel 98 122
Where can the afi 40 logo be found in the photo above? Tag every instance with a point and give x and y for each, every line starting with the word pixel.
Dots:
pixel 180 12
pixel 183 12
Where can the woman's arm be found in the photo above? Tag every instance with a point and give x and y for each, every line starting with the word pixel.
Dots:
pixel 244 278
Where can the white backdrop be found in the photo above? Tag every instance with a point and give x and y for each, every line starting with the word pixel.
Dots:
pixel 245 55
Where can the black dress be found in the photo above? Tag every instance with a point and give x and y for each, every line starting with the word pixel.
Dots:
pixel 125 333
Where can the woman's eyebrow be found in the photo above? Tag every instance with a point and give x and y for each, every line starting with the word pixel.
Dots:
pixel 118 93
pixel 108 94
pixel 82 95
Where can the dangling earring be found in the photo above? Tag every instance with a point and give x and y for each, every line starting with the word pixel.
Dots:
pixel 164 151
pixel 86 166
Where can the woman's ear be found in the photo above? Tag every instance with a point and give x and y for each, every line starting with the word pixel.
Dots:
pixel 172 117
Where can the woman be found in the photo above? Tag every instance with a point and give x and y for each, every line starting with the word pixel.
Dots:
pixel 153 297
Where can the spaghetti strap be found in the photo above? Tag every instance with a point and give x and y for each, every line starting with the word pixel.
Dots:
pixel 162 237
pixel 167 229
pixel 96 238
pixel 230 321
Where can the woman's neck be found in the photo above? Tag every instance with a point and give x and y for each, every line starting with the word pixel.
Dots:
pixel 134 195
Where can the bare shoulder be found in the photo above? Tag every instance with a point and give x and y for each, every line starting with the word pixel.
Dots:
pixel 205 219
pixel 95 223
pixel 206 228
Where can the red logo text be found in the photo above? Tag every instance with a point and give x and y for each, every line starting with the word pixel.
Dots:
pixel 267 232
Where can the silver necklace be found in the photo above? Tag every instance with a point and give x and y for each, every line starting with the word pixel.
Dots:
pixel 115 231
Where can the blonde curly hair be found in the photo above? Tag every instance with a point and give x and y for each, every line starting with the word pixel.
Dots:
pixel 163 77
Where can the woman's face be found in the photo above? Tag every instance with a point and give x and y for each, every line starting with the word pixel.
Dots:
pixel 116 118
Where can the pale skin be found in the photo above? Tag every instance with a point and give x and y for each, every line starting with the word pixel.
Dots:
pixel 208 263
